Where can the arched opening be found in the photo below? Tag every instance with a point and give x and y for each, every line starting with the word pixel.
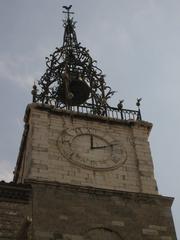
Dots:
pixel 100 233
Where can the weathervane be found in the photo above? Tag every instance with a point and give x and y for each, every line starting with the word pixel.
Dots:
pixel 68 11
pixel 72 78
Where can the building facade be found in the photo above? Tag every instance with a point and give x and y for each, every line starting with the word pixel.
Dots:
pixel 84 169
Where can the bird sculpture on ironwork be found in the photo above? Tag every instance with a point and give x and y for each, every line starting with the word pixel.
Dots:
pixel 120 105
pixel 138 103
pixel 34 92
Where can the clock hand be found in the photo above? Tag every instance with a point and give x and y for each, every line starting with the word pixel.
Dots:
pixel 110 145
pixel 99 147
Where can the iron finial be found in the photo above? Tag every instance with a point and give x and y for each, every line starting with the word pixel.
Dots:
pixel 138 103
pixel 34 92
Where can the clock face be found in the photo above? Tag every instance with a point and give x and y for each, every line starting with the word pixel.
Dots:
pixel 90 148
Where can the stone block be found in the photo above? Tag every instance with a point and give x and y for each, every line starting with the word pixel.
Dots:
pixel 72 237
pixel 151 232
pixel 118 223
pixel 166 238
pixel 158 228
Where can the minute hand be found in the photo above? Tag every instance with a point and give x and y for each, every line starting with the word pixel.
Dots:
pixel 110 145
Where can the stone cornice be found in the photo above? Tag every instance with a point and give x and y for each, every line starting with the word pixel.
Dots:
pixel 134 196
pixel 14 192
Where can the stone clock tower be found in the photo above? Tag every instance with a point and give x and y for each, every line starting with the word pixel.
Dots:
pixel 84 166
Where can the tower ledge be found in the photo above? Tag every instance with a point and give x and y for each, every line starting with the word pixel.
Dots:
pixel 88 116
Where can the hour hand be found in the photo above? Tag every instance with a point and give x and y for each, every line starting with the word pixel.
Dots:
pixel 92 145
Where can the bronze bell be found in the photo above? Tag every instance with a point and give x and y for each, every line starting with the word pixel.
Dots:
pixel 76 93
pixel 79 92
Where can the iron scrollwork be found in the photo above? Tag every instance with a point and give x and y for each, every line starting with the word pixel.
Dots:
pixel 72 77
pixel 72 80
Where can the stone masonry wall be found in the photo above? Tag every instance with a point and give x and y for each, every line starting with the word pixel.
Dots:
pixel 73 213
pixel 46 162
pixel 70 212
pixel 15 210
pixel 12 217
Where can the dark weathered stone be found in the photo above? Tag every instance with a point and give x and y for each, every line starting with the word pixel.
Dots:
pixel 14 209
pixel 88 208
pixel 61 211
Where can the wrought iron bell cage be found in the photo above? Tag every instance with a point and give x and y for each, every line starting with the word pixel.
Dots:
pixel 72 80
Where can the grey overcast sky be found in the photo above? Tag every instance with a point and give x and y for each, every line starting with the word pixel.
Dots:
pixel 136 44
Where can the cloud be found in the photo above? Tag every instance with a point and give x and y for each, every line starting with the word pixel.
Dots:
pixel 15 69
pixel 6 171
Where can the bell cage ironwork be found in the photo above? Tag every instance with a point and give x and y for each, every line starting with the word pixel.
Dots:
pixel 72 80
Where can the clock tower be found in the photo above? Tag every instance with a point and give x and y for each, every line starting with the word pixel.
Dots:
pixel 89 164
